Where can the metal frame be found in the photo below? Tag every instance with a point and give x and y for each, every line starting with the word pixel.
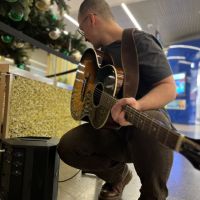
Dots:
pixel 8 83
pixel 5 91
pixel 2 100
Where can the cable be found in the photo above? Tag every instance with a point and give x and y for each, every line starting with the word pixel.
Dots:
pixel 62 73
pixel 70 177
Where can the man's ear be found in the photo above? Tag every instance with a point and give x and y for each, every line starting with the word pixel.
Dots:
pixel 93 19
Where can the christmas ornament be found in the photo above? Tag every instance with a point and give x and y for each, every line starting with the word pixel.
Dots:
pixel 48 2
pixel 18 44
pixel 24 58
pixel 76 55
pixel 27 7
pixel 65 52
pixel 43 5
pixel 21 66
pixel 7 38
pixel 55 34
pixel 16 13
pixel 54 18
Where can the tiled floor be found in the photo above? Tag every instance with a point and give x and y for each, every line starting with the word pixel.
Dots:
pixel 184 181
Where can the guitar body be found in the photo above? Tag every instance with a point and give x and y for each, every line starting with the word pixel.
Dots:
pixel 92 80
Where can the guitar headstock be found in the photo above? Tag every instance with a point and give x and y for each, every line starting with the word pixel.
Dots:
pixel 190 148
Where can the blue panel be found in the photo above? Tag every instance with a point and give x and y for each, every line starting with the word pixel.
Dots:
pixel 184 59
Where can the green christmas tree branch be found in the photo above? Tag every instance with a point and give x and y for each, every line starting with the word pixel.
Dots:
pixel 35 18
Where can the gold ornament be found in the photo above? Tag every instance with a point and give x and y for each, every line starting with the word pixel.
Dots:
pixel 18 44
pixel 55 34
pixel 48 2
pixel 43 5
pixel 76 55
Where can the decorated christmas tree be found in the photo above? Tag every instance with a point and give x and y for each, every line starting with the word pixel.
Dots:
pixel 36 19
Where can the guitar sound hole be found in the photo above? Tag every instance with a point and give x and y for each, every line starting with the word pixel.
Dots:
pixel 97 94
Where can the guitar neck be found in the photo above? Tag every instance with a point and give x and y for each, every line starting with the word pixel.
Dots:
pixel 160 132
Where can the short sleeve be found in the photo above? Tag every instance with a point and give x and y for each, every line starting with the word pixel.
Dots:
pixel 152 61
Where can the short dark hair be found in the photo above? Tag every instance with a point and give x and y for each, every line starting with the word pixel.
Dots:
pixel 100 7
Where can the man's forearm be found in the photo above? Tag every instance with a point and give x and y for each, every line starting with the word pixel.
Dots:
pixel 158 97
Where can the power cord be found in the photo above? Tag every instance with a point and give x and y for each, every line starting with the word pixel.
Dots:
pixel 70 177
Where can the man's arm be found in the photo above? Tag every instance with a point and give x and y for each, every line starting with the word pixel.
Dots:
pixel 162 93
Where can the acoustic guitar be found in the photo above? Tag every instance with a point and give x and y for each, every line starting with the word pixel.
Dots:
pixel 94 93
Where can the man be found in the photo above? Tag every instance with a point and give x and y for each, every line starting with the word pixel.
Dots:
pixel 105 152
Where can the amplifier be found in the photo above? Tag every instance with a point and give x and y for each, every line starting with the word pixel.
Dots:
pixel 29 168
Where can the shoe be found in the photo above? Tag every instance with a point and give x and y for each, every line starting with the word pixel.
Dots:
pixel 114 191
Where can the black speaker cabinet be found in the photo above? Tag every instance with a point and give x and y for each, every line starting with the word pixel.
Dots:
pixel 29 169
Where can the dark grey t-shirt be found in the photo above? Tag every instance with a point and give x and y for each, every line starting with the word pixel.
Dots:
pixel 153 65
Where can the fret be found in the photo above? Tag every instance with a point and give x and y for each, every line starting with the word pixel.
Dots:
pixel 149 130
pixel 166 136
pixel 141 123
pixel 162 137
pixel 137 120
pixel 155 130
pixel 129 115
pixel 172 139
pixel 135 117
pixel 162 133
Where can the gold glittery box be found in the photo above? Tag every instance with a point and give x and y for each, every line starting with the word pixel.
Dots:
pixel 31 105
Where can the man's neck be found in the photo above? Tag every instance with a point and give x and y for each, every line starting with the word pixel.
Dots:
pixel 113 32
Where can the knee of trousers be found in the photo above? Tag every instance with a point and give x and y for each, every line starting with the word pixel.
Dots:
pixel 65 149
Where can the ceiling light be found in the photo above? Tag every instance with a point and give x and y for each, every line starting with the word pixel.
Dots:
pixel 130 15
pixel 71 19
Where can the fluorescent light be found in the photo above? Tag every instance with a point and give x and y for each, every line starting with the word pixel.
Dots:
pixel 71 19
pixel 130 15
pixel 176 57
pixel 184 47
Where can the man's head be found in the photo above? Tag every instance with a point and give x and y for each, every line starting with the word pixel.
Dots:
pixel 93 16
pixel 100 7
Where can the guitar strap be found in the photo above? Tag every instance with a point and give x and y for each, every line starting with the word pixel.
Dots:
pixel 129 63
